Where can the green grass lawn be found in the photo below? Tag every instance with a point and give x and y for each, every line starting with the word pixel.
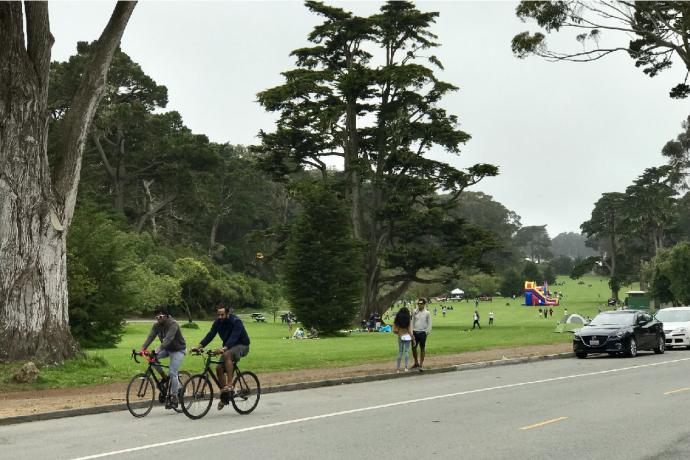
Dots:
pixel 514 325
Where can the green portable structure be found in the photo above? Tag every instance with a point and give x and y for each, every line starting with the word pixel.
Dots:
pixel 638 300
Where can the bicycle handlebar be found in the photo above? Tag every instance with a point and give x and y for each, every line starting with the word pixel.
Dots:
pixel 201 351
pixel 150 356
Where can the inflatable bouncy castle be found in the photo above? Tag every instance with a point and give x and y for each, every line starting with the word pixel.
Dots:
pixel 538 295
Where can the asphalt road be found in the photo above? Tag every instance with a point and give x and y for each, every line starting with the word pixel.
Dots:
pixel 598 408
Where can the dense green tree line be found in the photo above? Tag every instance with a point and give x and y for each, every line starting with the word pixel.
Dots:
pixel 637 233
pixel 164 216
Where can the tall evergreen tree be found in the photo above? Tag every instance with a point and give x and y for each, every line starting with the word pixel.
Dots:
pixel 322 266
pixel 378 108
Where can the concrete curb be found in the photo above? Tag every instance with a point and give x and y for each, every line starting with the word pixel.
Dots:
pixel 298 386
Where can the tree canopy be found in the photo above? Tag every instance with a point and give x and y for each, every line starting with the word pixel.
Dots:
pixel 653 34
pixel 365 91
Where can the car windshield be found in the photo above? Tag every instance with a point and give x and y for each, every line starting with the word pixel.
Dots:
pixel 613 319
pixel 673 316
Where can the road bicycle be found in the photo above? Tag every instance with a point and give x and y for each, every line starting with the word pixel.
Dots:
pixel 197 393
pixel 141 391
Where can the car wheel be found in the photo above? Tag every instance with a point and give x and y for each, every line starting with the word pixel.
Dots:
pixel 631 352
pixel 581 354
pixel 660 345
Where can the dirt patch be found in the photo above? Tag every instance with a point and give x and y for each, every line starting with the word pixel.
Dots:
pixel 38 401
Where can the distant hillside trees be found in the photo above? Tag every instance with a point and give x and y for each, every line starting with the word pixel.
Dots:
pixel 572 245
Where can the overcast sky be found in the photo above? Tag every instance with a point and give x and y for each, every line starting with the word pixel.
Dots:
pixel 561 133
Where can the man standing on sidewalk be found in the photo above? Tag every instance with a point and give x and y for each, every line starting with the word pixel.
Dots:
pixel 421 327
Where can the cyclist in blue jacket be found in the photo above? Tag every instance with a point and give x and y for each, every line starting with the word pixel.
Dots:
pixel 235 345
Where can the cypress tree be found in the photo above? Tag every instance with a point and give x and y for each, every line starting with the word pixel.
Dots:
pixel 323 263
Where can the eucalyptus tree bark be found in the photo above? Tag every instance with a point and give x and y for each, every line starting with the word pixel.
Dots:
pixel 37 201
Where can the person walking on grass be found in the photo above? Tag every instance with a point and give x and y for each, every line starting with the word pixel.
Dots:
pixel 476 320
pixel 402 327
pixel 491 317
pixel 421 328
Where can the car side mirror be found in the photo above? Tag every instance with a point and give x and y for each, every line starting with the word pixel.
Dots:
pixel 642 322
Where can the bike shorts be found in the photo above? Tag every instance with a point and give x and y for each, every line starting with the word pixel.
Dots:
pixel 237 352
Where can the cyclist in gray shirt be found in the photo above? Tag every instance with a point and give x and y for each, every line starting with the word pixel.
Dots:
pixel 172 345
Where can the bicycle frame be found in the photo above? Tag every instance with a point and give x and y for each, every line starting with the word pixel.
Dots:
pixel 158 366
pixel 207 370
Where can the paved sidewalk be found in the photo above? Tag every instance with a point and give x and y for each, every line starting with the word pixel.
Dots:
pixel 36 402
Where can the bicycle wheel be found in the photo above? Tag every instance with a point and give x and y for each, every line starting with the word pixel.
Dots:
pixel 141 392
pixel 247 392
pixel 182 377
pixel 197 397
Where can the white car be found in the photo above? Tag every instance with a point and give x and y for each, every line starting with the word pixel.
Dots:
pixel 676 326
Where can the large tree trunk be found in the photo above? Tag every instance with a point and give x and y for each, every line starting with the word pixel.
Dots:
pixel 35 208
pixel 351 168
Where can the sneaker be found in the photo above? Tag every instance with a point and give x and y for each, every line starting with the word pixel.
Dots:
pixel 421 369
pixel 415 366
pixel 397 371
pixel 407 370
pixel 221 404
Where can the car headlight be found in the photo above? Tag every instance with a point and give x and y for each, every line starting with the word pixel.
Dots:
pixel 680 330
pixel 619 334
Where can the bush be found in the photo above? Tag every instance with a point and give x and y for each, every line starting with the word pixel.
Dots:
pixel 97 256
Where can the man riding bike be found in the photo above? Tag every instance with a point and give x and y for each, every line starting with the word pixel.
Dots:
pixel 235 346
pixel 172 344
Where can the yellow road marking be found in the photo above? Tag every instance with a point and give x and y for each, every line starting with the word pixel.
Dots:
pixel 679 390
pixel 537 425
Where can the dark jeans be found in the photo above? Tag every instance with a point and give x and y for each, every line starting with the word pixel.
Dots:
pixel 476 323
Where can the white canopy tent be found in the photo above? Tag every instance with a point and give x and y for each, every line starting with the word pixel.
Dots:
pixel 457 291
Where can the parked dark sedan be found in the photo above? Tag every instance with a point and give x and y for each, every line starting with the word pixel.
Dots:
pixel 620 332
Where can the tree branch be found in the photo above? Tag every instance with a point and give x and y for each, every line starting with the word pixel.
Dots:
pixel 108 168
pixel 39 41
pixel 70 145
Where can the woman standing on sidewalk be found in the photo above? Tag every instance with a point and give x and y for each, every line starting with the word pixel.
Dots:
pixel 402 326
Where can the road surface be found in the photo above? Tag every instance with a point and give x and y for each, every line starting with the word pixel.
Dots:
pixel 598 408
